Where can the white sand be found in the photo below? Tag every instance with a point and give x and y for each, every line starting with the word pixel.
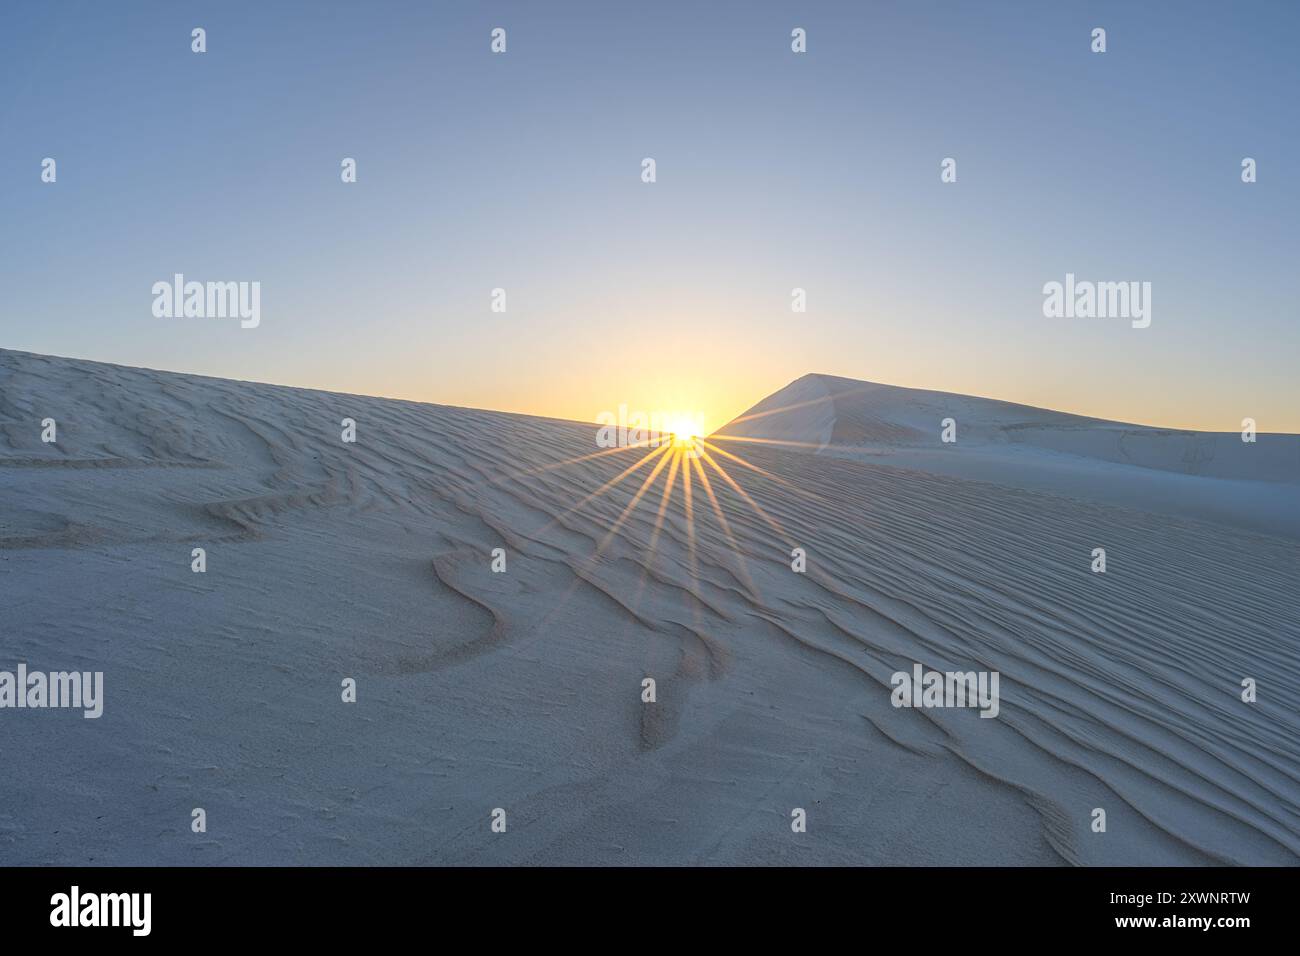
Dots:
pixel 522 690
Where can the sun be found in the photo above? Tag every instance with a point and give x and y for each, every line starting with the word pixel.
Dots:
pixel 685 431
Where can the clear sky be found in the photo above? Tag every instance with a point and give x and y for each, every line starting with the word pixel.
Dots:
pixel 775 170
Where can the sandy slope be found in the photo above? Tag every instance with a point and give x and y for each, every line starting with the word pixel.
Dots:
pixel 522 690
pixel 1153 469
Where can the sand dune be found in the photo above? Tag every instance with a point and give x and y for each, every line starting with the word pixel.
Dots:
pixel 522 690
pixel 1154 469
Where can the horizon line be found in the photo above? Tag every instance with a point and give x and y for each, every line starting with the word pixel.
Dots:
pixel 747 414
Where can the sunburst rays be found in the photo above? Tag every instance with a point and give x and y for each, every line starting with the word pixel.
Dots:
pixel 684 475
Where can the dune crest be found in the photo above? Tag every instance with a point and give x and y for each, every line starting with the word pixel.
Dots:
pixel 1257 485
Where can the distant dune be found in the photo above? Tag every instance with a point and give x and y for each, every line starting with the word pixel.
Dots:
pixel 1018 445
pixel 523 690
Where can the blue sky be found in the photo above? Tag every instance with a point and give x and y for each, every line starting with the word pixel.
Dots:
pixel 775 171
